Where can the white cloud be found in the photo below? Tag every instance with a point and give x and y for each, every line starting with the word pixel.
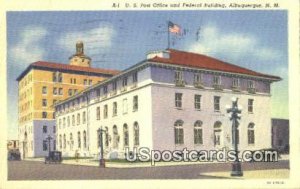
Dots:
pixel 96 39
pixel 212 41
pixel 28 49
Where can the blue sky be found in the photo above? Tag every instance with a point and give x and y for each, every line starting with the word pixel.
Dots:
pixel 119 39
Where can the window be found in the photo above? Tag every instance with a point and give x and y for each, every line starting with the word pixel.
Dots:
pixel 65 141
pixel 70 92
pixel 74 80
pixel 178 76
pixel 44 102
pixel 114 86
pixel 134 77
pixel 135 103
pixel 197 102
pixel 78 119
pixel 197 78
pixel 54 129
pixel 125 107
pixel 217 103
pixel 54 77
pixel 59 123
pixel 105 111
pixel 136 134
pixel 178 100
pixel 124 82
pixel 73 120
pixel 105 90
pixel 90 82
pixel 79 139
pixel 115 137
pixel 178 130
pixel 115 109
pixel 55 91
pixel 64 122
pixel 217 133
pixel 235 83
pixel 60 142
pixel 98 113
pixel 60 91
pixel 84 139
pixel 54 101
pixel 198 134
pixel 44 128
pixel 60 77
pixel 251 134
pixel 44 114
pixel 217 80
pixel 250 105
pixel 126 135
pixel 250 84
pixel 44 90
pixel 45 146
pixel 69 123
pixel 84 117
pixel 85 82
pixel 54 145
pixel 98 92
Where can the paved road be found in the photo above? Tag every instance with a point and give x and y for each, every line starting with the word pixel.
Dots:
pixel 33 170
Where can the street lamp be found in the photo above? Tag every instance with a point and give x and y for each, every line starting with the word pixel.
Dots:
pixel 49 138
pixel 101 160
pixel 234 117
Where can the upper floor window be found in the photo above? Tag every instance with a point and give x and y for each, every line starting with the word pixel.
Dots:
pixel 197 102
pixel 115 108
pixel 98 113
pixel 85 82
pixel 78 119
pixel 73 120
pixel 126 135
pixel 98 92
pixel 217 80
pixel 114 86
pixel 251 134
pixel 198 134
pixel 235 82
pixel 44 102
pixel 135 103
pixel 55 91
pixel 45 145
pixel 84 117
pixel 60 91
pixel 136 134
pixel 64 122
pixel 250 84
pixel 105 90
pixel 217 103
pixel 134 77
pixel 124 83
pixel 70 92
pixel 197 78
pixel 250 105
pixel 178 100
pixel 44 90
pixel 105 111
pixel 68 121
pixel 178 76
pixel 90 82
pixel 44 114
pixel 57 77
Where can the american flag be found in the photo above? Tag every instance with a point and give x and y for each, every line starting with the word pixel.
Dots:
pixel 174 28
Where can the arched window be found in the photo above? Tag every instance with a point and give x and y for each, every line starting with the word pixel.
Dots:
pixel 73 120
pixel 115 137
pixel 68 121
pixel 251 134
pixel 84 139
pixel 79 139
pixel 136 134
pixel 178 130
pixel 71 141
pixel 84 117
pixel 198 133
pixel 106 137
pixel 126 135
pixel 60 142
pixel 64 141
pixel 217 133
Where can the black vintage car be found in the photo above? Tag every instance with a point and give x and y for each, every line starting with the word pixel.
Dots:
pixel 54 157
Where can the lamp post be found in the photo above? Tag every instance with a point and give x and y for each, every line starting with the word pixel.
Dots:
pixel 101 160
pixel 49 138
pixel 234 117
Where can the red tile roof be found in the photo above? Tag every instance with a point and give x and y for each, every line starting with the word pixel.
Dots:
pixel 67 67
pixel 204 62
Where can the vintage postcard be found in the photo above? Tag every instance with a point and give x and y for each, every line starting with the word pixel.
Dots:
pixel 153 94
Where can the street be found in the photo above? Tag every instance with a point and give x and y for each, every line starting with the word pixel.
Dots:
pixel 36 170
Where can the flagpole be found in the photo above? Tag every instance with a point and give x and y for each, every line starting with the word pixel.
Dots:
pixel 168 35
